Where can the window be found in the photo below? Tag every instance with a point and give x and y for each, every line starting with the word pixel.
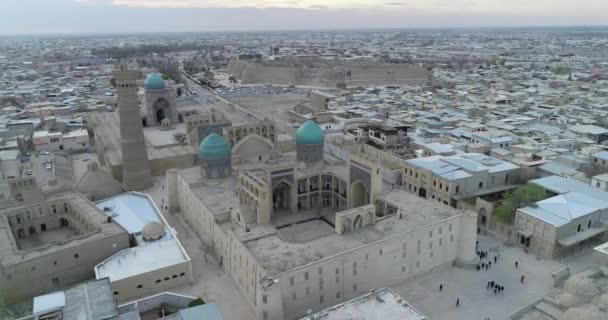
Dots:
pixel 441 186
pixel 291 281
pixel 76 256
pixel 380 252
pixel 579 228
pixel 403 269
pixel 306 275
pixel 116 293
pixel 451 238
pixel 355 287
pixel 182 274
pixel 321 299
pixel 337 270
pixel 139 286
pixel 507 178
pixel 174 276
pixel 166 278
pixel 158 281
pixel 320 283
pixel 338 295
pixel 457 189
pixel 480 185
pixel 320 270
pixel 447 188
pixel 450 227
pixel 434 183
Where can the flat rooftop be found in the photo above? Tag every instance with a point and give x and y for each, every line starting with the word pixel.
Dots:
pixel 142 259
pixel 382 304
pixel 132 211
pixel 276 253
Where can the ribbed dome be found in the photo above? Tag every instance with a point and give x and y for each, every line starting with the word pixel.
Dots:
pixel 154 81
pixel 309 133
pixel 153 231
pixel 214 147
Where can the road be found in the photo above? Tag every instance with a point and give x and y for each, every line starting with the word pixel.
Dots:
pixel 39 171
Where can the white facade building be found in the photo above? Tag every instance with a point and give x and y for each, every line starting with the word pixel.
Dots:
pixel 75 140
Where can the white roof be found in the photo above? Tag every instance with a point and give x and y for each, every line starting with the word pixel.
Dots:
pixel 562 209
pixel 142 259
pixel 383 304
pixel 49 302
pixel 132 211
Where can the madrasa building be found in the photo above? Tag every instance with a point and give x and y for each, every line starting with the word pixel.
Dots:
pixel 303 226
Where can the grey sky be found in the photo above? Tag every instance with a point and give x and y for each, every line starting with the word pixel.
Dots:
pixel 110 16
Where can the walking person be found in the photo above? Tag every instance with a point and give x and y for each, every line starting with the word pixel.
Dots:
pixel 440 287
pixel 457 302
pixel 488 286
pixel 522 278
pixel 495 258
pixel 516 264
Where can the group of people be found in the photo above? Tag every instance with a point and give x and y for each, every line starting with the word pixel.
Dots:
pixel 495 286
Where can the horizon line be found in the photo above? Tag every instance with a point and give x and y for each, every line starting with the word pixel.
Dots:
pixel 360 29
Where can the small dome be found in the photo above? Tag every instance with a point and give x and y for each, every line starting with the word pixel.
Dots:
pixel 153 231
pixel 309 133
pixel 214 147
pixel 154 81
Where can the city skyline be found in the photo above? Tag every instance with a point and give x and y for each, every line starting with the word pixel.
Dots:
pixel 132 16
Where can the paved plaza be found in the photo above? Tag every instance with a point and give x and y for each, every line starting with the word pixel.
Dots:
pixel 470 286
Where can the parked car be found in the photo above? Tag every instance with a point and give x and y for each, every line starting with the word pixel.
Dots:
pixel 28 172
pixel 48 166
pixel 45 152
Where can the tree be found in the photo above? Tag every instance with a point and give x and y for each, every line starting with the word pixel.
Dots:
pixel 518 198
pixel 196 302
pixel 12 304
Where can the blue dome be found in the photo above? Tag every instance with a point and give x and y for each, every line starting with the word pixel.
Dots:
pixel 309 133
pixel 154 81
pixel 214 147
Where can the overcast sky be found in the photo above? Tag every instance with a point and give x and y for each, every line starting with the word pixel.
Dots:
pixel 112 16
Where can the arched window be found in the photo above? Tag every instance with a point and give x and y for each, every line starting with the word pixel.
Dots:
pixel 174 276
pixel 139 286
pixel 158 281
pixel 182 274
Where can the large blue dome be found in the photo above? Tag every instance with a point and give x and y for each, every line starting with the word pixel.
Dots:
pixel 154 81
pixel 309 133
pixel 214 147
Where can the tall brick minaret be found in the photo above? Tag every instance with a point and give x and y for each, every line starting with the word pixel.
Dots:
pixel 135 164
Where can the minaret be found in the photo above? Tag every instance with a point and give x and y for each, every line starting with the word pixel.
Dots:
pixel 135 165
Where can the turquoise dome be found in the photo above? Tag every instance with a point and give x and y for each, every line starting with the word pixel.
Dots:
pixel 154 81
pixel 309 133
pixel 214 147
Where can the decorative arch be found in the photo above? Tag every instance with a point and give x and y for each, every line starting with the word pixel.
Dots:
pixel 281 195
pixel 358 222
pixel 359 194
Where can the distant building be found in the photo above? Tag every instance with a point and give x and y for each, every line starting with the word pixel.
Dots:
pixel 76 140
pixel 10 164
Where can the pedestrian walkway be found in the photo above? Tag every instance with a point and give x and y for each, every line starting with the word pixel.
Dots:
pixel 476 299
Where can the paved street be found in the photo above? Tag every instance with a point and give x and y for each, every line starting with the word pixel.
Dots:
pixel 470 286
pixel 210 282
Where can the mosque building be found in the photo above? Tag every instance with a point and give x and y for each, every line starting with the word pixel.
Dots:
pixel 300 227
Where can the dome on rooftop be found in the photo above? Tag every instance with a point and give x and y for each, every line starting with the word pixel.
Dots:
pixel 309 133
pixel 154 81
pixel 153 231
pixel 214 147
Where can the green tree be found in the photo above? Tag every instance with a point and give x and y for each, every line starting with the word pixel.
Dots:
pixel 196 302
pixel 12 304
pixel 518 198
